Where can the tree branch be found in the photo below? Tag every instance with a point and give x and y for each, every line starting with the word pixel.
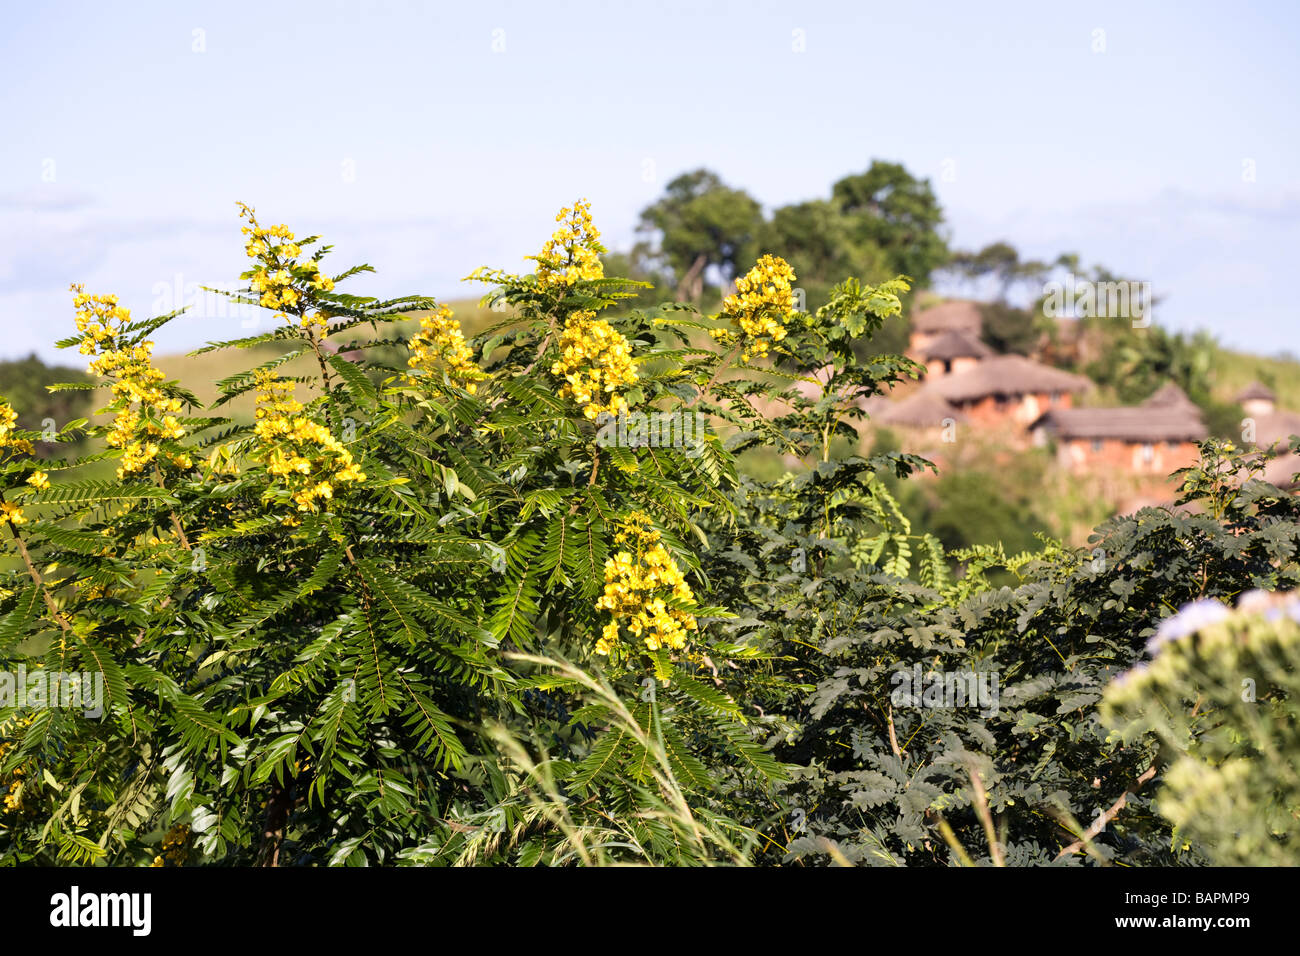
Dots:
pixel 1100 823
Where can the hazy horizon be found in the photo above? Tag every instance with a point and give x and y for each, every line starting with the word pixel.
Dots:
pixel 430 141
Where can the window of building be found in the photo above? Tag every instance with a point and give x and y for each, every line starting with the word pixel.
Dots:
pixel 1096 444
pixel 1148 453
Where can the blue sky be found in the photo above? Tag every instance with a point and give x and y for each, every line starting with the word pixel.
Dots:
pixel 429 139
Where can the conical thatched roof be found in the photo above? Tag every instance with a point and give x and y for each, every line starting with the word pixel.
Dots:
pixel 1007 375
pixel 1170 395
pixel 957 316
pixel 955 344
pixel 1256 391
pixel 924 408
pixel 1136 424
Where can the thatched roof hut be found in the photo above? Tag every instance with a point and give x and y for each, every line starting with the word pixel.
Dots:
pixel 1145 424
pixel 922 409
pixel 1256 391
pixel 1171 396
pixel 954 344
pixel 960 315
pixel 1008 375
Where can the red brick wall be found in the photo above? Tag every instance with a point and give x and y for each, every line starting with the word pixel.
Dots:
pixel 1015 411
pixel 1124 457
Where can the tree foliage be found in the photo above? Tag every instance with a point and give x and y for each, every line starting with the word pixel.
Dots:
pixel 510 599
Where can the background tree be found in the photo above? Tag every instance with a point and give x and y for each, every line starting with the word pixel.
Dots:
pixel 702 223
pixel 640 266
pixel 25 383
pixel 890 208
pixel 1007 327
pixel 1001 262
pixel 822 248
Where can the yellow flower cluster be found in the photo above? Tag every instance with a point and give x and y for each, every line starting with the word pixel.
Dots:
pixel 11 514
pixel 760 307
pixel 301 451
pixel 595 361
pixel 572 254
pixel 13 794
pixel 100 321
pixel 8 425
pixel 14 788
pixel 39 480
pixel 440 339
pixel 636 582
pixel 283 281
pixel 174 850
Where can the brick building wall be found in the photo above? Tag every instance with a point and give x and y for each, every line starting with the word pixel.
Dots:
pixel 1157 459
pixel 1018 411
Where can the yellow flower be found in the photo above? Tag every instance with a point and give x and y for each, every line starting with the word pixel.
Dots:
pixel 440 339
pixel 11 514
pixel 595 361
pixel 760 308
pixel 572 254
pixel 174 849
pixel 302 452
pixel 637 584
pixel 279 277
pixel 8 424
pixel 135 382
pixel 38 480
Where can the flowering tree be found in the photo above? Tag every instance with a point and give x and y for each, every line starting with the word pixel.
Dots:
pixel 409 612
pixel 508 597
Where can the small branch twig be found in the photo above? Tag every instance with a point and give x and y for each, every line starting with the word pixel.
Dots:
pixel 55 614
pixel 893 737
pixel 1100 823
pixel 986 817
pixel 722 366
pixel 595 465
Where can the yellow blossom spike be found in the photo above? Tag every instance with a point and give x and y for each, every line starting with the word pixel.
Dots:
pixel 299 451
pixel 760 308
pixel 638 583
pixel 595 362
pixel 133 380
pixel 440 340
pixel 572 254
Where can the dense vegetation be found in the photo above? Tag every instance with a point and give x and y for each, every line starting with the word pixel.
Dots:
pixel 511 599
pixel 884 222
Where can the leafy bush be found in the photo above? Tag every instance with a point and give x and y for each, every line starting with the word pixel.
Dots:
pixel 884 780
pixel 1219 695
pixel 511 600
pixel 341 633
